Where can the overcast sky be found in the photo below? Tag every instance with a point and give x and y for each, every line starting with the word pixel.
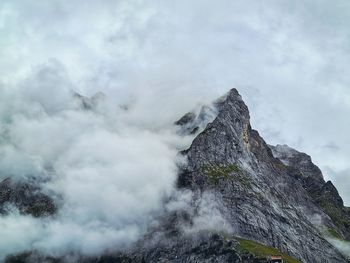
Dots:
pixel 289 60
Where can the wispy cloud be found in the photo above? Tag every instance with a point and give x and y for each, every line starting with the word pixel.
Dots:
pixel 158 59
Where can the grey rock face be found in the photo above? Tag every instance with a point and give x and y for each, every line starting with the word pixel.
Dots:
pixel 324 194
pixel 193 123
pixel 272 195
pixel 300 161
pixel 26 197
pixel 265 199
pixel 203 248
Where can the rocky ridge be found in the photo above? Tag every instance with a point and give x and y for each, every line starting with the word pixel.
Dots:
pixel 269 196
pixel 267 200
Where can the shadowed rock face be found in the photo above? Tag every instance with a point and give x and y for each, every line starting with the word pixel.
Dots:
pixel 26 197
pixel 193 123
pixel 324 194
pixel 265 199
pixel 202 248
pixel 273 195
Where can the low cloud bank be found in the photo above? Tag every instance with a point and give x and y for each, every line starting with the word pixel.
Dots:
pixel 342 245
pixel 110 168
pixel 108 175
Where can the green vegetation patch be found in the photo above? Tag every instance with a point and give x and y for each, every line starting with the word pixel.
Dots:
pixel 336 214
pixel 331 232
pixel 259 250
pixel 280 166
pixel 217 172
pixel 244 180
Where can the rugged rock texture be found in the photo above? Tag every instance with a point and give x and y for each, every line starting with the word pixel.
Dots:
pixel 271 195
pixel 193 123
pixel 265 200
pixel 26 197
pixel 202 247
pixel 324 194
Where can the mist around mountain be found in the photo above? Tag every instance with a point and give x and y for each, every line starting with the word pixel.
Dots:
pixel 82 182
pixel 115 145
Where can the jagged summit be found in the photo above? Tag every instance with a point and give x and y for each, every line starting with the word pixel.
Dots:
pixel 266 199
pixel 196 121
pixel 230 96
pixel 272 199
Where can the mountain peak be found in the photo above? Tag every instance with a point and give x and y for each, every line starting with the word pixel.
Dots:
pixel 259 190
pixel 263 196
pixel 229 100
pixel 232 94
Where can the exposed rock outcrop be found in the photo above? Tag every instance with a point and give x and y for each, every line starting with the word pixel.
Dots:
pixel 274 197
pixel 324 194
pixel 26 197
pixel 266 201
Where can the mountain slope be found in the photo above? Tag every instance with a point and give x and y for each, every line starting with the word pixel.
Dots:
pixel 265 199
pixel 324 194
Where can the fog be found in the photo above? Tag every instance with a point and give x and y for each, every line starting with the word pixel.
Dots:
pixel 111 167
pixel 109 176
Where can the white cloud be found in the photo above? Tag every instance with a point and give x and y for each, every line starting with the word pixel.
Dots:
pixel 343 246
pixel 160 59
pixel 109 174
pixel 18 233
pixel 49 86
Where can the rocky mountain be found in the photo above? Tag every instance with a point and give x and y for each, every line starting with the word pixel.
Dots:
pixel 273 195
pixel 26 197
pixel 270 200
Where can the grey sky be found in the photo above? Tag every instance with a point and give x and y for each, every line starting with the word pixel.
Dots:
pixel 288 59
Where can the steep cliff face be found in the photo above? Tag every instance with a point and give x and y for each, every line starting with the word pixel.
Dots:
pixel 266 199
pixel 272 199
pixel 323 194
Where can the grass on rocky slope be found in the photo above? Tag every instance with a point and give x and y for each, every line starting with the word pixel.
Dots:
pixel 336 214
pixel 334 234
pixel 221 171
pixel 259 250
pixel 217 172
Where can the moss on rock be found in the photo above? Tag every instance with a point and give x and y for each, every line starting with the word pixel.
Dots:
pixel 217 172
pixel 260 250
